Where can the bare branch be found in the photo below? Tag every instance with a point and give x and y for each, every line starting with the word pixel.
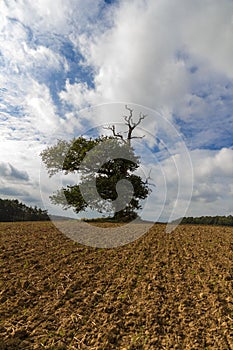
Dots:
pixel 149 178
pixel 141 117
pixel 138 137
pixel 131 125
pixel 128 118
pixel 113 129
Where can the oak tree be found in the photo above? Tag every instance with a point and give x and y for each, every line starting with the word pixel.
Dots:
pixel 84 156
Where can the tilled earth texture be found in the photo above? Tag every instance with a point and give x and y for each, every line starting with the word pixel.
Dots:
pixel 163 291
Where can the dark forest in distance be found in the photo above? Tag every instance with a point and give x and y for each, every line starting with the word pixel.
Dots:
pixel 14 210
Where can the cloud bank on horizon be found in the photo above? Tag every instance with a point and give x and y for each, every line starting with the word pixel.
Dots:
pixel 58 58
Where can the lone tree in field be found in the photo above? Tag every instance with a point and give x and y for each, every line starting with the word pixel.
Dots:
pixel 85 157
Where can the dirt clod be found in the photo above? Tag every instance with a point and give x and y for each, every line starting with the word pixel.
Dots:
pixel 163 291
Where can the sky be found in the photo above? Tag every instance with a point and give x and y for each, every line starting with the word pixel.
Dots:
pixel 68 68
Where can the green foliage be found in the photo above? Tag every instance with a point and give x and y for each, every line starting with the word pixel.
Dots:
pixel 73 156
pixel 67 155
pixel 13 210
pixel 209 220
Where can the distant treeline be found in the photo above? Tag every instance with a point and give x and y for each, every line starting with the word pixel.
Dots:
pixel 13 210
pixel 209 220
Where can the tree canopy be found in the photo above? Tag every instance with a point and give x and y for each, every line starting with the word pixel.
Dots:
pixel 13 210
pixel 209 220
pixel 106 166
pixel 218 220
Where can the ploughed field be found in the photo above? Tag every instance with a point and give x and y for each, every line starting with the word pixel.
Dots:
pixel 163 291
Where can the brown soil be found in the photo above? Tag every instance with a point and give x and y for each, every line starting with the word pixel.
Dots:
pixel 164 291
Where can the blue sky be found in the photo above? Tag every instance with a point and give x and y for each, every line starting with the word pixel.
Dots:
pixel 172 60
